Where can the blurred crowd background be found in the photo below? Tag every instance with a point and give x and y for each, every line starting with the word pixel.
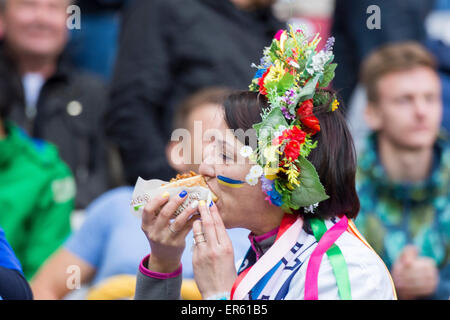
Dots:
pixel 84 112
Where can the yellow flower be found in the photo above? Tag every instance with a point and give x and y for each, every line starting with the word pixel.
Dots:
pixel 270 173
pixel 282 170
pixel 276 73
pixel 334 105
pixel 292 177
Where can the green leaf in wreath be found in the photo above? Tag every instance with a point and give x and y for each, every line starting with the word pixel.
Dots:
pixel 328 75
pixel 271 122
pixel 285 83
pixel 307 92
pixel 321 98
pixel 310 190
pixel 270 86
pixel 286 196
pixel 273 50
pixel 266 128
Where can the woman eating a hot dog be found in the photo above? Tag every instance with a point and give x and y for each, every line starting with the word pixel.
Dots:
pixel 289 180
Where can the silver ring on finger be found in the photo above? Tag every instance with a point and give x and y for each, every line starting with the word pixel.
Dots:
pixel 199 239
pixel 199 234
pixel 196 242
pixel 172 230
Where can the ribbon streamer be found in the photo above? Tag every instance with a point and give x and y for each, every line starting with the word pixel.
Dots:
pixel 327 239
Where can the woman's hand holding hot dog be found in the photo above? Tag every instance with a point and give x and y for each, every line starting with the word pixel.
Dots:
pixel 166 237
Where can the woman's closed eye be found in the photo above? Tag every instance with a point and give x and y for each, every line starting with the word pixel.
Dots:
pixel 225 156
pixel 224 152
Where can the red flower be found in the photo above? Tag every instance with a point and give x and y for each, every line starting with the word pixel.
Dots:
pixel 297 134
pixel 296 138
pixel 262 89
pixel 292 150
pixel 305 109
pixel 312 124
pixel 308 119
pixel 293 134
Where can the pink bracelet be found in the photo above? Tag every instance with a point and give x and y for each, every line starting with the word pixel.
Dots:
pixel 157 275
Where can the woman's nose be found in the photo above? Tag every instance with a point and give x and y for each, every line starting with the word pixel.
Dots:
pixel 206 170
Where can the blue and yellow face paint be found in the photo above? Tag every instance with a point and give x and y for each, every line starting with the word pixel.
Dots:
pixel 230 182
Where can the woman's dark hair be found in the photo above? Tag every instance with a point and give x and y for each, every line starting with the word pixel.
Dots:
pixel 334 158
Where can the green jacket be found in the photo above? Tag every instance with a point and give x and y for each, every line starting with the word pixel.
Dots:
pixel 36 197
pixel 393 215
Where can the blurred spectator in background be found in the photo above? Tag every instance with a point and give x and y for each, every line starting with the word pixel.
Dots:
pixel 169 49
pixel 13 285
pixel 403 178
pixel 51 99
pixel 399 21
pixel 432 29
pixel 109 246
pixel 195 114
pixel 36 194
pixel 94 46
pixel 310 16
pixel 438 42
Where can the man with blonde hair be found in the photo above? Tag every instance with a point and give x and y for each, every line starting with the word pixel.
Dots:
pixel 403 179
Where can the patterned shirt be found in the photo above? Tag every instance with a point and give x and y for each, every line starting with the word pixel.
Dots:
pixel 393 215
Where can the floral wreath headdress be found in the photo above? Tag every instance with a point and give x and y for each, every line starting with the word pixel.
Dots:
pixel 292 75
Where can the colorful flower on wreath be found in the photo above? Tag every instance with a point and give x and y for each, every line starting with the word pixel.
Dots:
pixel 278 34
pixel 275 197
pixel 256 171
pixel 251 180
pixel 295 137
pixel 307 118
pixel 292 150
pixel 295 133
pixel 329 45
pixel 318 62
pixel 262 88
pixel 281 36
pixel 259 73
pixel 276 72
pixel 293 174
pixel 266 184
pixel 334 105
pixel 270 172
pixel 246 151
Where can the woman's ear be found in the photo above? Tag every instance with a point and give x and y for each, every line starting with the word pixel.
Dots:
pixel 372 116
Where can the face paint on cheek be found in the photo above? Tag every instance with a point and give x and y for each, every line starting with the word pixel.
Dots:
pixel 230 182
